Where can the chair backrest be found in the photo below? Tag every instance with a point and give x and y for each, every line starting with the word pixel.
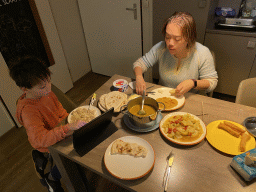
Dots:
pixel 66 102
pixel 246 93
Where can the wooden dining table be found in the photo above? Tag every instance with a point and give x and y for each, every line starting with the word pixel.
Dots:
pixel 199 167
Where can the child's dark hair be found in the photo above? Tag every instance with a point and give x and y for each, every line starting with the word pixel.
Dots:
pixel 28 71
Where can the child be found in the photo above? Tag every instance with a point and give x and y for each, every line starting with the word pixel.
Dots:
pixel 40 112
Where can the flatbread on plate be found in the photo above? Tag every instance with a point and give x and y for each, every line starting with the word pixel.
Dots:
pixel 127 148
pixel 114 99
pixel 102 101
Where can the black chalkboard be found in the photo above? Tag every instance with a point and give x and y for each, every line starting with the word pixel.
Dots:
pixel 21 31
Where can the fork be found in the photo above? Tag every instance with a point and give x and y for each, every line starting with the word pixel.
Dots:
pixel 167 166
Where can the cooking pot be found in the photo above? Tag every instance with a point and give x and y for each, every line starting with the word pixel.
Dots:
pixel 145 121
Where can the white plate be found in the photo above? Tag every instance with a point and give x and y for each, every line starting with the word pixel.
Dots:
pixel 165 92
pixel 128 167
pixel 179 142
pixel 98 113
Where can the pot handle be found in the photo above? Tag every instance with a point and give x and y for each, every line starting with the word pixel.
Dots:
pixel 122 109
pixel 164 106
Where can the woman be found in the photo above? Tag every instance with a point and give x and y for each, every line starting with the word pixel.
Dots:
pixel 184 64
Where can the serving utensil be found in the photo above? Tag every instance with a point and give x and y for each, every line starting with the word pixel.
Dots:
pixel 169 160
pixel 141 111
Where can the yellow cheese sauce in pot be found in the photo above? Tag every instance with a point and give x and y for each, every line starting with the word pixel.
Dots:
pixel 147 108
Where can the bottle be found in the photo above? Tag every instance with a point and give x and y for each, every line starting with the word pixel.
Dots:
pixel 246 13
pixel 253 12
pixel 241 9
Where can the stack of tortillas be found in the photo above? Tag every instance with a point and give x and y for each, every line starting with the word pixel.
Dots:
pixel 114 99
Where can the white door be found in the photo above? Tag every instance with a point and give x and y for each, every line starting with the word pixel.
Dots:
pixel 6 122
pixel 113 35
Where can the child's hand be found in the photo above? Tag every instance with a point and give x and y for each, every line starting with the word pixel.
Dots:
pixel 77 125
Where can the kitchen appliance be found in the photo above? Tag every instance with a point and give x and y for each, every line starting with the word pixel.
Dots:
pixel 225 12
pixel 236 23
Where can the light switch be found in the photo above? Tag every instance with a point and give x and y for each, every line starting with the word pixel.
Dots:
pixel 251 44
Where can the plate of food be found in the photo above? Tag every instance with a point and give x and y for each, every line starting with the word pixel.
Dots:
pixel 168 97
pixel 183 128
pixel 114 99
pixel 129 158
pixel 229 137
pixel 82 113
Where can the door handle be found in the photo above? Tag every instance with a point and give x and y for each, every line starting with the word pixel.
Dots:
pixel 134 9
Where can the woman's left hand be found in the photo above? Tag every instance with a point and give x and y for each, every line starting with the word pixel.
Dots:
pixel 184 87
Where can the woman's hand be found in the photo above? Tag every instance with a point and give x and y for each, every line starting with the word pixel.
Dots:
pixel 184 87
pixel 140 85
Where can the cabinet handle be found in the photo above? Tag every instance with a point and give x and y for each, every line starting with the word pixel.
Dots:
pixel 134 9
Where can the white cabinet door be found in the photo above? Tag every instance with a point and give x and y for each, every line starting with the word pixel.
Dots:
pixel 6 122
pixel 233 58
pixel 113 35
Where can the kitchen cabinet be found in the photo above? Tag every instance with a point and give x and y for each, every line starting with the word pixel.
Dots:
pixel 234 56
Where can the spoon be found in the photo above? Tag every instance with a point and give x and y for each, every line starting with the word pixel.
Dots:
pixel 142 112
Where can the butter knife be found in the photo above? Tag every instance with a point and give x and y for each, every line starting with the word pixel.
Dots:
pixel 168 171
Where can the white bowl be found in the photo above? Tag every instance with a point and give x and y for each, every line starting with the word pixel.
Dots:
pixel 98 113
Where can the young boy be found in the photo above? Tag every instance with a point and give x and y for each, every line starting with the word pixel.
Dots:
pixel 40 112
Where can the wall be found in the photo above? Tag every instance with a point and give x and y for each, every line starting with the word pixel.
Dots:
pixel 164 9
pixel 69 25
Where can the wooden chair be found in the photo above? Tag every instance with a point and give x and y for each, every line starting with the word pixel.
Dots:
pixel 246 93
pixel 66 102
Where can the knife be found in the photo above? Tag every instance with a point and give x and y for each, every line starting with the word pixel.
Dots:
pixel 168 172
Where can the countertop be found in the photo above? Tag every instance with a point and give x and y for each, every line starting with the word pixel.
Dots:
pixel 237 32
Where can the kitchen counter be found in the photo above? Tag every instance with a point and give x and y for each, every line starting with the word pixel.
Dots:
pixel 224 31
pixel 236 32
